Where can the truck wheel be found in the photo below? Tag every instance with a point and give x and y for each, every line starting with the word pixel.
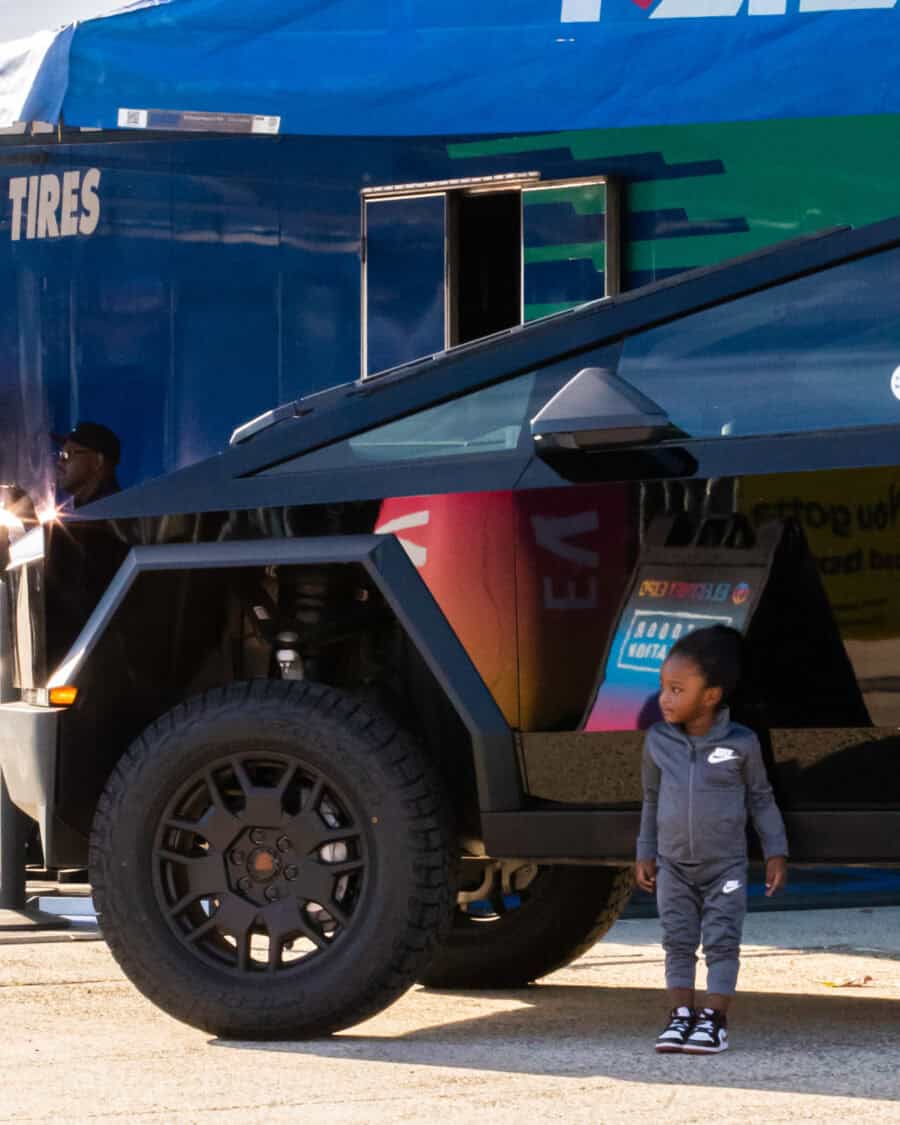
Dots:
pixel 270 860
pixel 559 916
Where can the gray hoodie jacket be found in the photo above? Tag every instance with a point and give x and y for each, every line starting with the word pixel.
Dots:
pixel 698 793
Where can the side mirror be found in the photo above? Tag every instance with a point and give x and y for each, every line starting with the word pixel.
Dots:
pixel 597 410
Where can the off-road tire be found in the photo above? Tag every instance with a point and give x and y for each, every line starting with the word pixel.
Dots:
pixel 563 912
pixel 405 904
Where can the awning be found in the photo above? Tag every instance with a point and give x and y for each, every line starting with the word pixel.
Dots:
pixel 459 66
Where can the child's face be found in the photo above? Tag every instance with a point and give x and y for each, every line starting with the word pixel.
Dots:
pixel 684 696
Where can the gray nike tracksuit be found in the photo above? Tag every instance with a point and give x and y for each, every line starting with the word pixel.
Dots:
pixel 698 793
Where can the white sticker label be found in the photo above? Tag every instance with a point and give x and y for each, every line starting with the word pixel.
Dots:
pixel 132 118
pixel 895 383
pixel 265 125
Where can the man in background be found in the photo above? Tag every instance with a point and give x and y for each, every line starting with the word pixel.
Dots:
pixel 87 462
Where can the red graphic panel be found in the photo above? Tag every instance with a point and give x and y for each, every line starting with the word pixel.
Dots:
pixel 462 545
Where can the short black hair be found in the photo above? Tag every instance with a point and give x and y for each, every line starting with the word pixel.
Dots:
pixel 717 653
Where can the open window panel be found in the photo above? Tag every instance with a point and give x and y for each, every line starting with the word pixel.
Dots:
pixel 452 261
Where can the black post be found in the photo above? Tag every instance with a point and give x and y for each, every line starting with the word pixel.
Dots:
pixel 14 827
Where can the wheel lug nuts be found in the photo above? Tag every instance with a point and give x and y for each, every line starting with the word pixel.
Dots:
pixel 244 884
pixel 290 872
pixel 272 894
pixel 238 857
pixel 257 836
pixel 283 843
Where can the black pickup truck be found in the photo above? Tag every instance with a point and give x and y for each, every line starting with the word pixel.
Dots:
pixel 360 700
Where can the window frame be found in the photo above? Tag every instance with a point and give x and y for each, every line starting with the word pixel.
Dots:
pixel 480 185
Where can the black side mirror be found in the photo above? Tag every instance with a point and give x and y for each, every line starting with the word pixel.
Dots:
pixel 597 410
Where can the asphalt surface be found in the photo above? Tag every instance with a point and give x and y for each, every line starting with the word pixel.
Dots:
pixel 81 1045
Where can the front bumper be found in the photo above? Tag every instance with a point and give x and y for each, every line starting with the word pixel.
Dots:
pixel 29 742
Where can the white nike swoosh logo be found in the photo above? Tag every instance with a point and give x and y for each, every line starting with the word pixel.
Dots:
pixel 721 754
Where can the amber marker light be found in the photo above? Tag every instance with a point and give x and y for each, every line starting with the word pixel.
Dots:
pixel 63 696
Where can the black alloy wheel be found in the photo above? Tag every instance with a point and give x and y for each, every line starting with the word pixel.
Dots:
pixel 259 863
pixel 271 860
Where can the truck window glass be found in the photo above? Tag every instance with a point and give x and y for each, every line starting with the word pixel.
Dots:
pixel 490 420
pixel 816 353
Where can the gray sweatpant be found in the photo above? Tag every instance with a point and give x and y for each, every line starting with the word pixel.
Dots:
pixel 707 900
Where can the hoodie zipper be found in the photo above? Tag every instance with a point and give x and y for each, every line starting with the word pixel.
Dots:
pixel 691 800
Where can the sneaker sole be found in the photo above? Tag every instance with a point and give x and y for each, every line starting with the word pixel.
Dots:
pixel 668 1049
pixel 704 1050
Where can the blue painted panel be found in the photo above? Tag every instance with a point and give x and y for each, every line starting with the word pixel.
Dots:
pixel 121 367
pixel 225 362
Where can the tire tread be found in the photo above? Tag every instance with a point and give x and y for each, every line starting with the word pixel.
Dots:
pixel 427 837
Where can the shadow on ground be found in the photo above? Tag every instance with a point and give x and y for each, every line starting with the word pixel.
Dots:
pixel 831 1045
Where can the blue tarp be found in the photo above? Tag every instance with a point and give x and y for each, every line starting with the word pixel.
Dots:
pixel 471 66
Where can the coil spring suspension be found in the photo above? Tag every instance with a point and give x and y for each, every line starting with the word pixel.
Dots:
pixel 303 603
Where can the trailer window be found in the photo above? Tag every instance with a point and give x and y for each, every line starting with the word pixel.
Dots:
pixel 404 315
pixel 818 353
pixel 447 262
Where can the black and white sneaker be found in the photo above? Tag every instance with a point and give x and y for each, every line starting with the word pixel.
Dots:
pixel 675 1034
pixel 709 1035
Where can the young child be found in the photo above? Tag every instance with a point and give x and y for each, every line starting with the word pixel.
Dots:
pixel 702 774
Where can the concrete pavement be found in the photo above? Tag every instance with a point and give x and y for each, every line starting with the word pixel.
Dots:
pixel 80 1044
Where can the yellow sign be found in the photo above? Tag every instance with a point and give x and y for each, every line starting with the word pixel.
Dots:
pixel 852 522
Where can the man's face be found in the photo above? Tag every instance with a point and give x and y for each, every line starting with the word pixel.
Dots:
pixel 78 466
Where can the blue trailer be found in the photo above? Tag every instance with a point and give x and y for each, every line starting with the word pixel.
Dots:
pixel 434 177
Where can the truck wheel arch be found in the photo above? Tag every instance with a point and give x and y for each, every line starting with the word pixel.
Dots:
pixel 495 761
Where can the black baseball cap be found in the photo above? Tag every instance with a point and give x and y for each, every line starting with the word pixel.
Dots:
pixel 93 435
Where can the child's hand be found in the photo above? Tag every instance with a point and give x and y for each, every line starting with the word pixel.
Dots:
pixel 645 874
pixel 776 874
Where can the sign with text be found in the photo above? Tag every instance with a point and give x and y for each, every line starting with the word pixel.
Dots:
pixel 852 523
pixel 666 603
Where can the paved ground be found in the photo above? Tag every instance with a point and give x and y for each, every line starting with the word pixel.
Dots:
pixel 79 1044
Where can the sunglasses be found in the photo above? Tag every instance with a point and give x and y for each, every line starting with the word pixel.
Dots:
pixel 65 455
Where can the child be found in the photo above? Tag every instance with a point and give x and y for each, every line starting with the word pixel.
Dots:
pixel 702 773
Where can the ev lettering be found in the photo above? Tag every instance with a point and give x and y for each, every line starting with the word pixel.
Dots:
pixel 569 596
pixel 554 534
pixel 52 206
